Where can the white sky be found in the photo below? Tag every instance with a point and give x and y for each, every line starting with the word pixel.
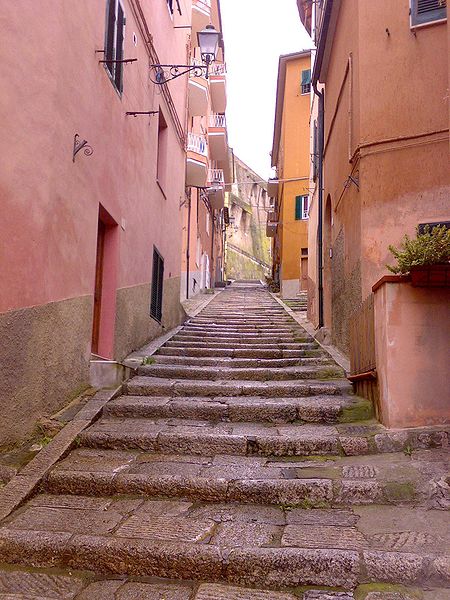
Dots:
pixel 256 32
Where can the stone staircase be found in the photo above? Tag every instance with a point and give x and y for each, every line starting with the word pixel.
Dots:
pixel 299 303
pixel 237 466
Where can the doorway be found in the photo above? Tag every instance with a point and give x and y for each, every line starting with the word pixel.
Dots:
pixel 105 286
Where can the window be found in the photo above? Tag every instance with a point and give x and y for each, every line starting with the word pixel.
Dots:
pixel 170 4
pixel 427 11
pixel 114 38
pixel 157 285
pixel 161 162
pixel 301 207
pixel 304 251
pixel 306 81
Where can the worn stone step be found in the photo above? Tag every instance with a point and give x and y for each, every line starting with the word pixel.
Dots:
pixel 257 328
pixel 204 437
pixel 235 345
pixel 240 362
pixel 293 483
pixel 315 409
pixel 242 353
pixel 154 386
pixel 237 544
pixel 319 372
pixel 253 340
pixel 228 335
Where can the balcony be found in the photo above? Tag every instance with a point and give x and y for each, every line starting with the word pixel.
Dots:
pixel 198 94
pixel 201 16
pixel 196 161
pixel 271 225
pixel 217 137
pixel 216 188
pixel 272 188
pixel 217 86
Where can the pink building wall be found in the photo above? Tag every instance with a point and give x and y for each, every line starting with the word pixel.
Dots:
pixel 53 87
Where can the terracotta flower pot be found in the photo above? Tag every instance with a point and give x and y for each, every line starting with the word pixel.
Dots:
pixel 431 275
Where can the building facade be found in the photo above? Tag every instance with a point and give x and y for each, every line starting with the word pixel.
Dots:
pixel 207 165
pixel 288 222
pixel 248 251
pixel 92 192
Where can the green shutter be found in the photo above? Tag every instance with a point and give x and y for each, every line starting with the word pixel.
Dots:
pixel 306 77
pixel 298 207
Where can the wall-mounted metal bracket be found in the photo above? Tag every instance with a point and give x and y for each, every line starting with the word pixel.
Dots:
pixel 141 112
pixel 79 144
pixel 123 61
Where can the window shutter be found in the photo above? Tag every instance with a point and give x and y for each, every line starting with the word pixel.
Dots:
pixel 306 77
pixel 109 38
pixel 298 208
pixel 427 11
pixel 157 286
pixel 118 72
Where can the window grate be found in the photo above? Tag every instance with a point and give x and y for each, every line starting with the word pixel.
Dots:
pixel 157 286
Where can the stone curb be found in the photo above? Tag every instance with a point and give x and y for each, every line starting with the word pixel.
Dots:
pixel 22 485
pixel 337 356
pixel 134 359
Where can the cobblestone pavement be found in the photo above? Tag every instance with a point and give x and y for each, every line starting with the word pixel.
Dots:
pixel 237 466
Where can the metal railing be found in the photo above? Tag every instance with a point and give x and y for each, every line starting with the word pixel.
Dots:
pixel 217 120
pixel 215 177
pixel 203 4
pixel 217 69
pixel 197 143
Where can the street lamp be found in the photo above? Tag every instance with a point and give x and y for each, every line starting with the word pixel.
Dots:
pixel 208 40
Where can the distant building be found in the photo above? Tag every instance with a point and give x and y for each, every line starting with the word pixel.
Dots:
pixel 288 222
pixel 248 253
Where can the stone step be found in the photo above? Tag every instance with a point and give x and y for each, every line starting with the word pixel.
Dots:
pixel 244 335
pixel 240 328
pixel 234 544
pixel 319 372
pixel 315 409
pixel 235 345
pixel 204 437
pixel 243 353
pixel 303 482
pixel 155 386
pixel 239 340
pixel 240 362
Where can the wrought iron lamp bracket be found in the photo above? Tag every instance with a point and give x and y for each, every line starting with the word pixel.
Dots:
pixel 79 144
pixel 164 73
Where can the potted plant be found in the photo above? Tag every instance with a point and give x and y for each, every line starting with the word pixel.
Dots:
pixel 426 258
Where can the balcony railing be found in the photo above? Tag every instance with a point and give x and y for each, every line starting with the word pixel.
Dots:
pixel 215 177
pixel 197 143
pixel 217 120
pixel 217 69
pixel 203 4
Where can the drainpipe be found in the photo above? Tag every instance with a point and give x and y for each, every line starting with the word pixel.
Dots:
pixel 213 268
pixel 320 96
pixel 187 245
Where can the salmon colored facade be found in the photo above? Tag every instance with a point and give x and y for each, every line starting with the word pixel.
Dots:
pixel 382 68
pixel 91 243
pixel 290 157
pixel 207 167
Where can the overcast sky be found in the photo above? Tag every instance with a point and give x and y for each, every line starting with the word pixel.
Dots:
pixel 256 32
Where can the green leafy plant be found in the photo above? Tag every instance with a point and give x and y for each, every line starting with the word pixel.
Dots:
pixel 428 248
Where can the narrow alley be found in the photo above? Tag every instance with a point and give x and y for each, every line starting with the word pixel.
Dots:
pixel 198 482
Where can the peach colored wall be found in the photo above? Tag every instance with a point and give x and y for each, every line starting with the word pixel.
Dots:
pixel 412 349
pixel 53 87
pixel 395 87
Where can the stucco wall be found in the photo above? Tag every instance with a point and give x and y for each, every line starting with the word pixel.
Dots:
pixel 44 358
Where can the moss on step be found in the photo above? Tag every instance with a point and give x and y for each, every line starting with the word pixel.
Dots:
pixel 362 591
pixel 360 410
pixel 333 372
pixel 396 491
